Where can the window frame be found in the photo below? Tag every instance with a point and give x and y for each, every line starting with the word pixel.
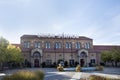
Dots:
pixel 37 44
pixel 78 45
pixel 47 45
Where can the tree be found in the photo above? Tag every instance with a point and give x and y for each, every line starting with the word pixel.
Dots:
pixel 9 53
pixel 116 55
pixel 3 42
pixel 14 54
pixel 3 46
pixel 106 56
pixel 112 55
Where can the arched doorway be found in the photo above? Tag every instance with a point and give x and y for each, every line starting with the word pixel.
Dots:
pixel 37 59
pixel 83 58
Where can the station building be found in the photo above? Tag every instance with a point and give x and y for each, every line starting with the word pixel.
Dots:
pixel 49 49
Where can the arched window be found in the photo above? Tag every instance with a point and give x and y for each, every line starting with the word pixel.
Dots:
pixel 87 45
pixel 83 54
pixel 78 45
pixel 36 55
pixel 37 44
pixel 47 45
pixel 92 60
pixel 57 45
pixel 68 45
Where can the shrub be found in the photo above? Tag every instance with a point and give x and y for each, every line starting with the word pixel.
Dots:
pixel 54 64
pixel 60 67
pixel 25 75
pixel 43 64
pixel 78 68
pixel 40 75
pixel 95 77
pixel 99 68
pixel 76 63
pixel 66 64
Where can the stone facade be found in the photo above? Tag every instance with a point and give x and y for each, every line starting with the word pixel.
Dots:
pixel 54 49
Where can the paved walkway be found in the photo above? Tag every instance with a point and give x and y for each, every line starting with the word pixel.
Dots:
pixel 53 74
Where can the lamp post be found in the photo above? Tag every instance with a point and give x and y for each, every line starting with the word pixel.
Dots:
pixel 55 53
pixel 72 54
pixel 63 46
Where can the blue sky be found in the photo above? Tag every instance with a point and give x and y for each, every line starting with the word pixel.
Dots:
pixel 97 19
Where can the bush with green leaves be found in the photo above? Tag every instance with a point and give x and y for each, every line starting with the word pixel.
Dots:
pixel 43 64
pixel 25 75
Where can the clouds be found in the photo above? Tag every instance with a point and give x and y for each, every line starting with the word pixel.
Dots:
pixel 96 19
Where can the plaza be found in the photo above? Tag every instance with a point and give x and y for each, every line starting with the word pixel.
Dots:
pixel 53 74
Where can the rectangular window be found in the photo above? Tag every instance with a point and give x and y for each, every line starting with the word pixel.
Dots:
pixel 92 60
pixel 48 62
pixel 71 62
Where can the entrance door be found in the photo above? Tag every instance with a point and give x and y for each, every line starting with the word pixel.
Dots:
pixel 36 63
pixel 82 62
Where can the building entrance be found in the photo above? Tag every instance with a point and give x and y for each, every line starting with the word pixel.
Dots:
pixel 36 59
pixel 36 63
pixel 82 62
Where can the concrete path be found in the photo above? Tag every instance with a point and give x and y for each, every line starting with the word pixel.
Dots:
pixel 53 74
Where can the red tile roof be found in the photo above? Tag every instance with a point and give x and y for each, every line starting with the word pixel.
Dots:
pixel 100 48
pixel 104 47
